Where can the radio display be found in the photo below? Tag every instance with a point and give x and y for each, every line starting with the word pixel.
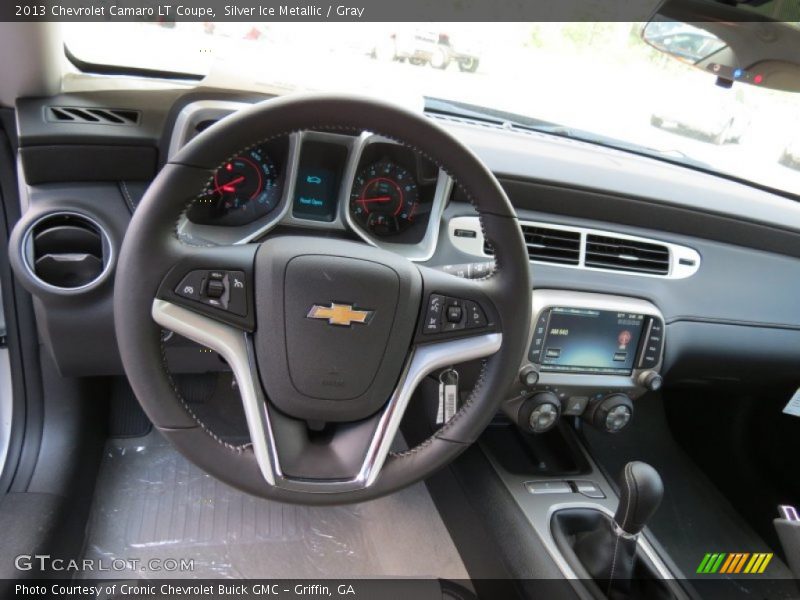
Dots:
pixel 591 341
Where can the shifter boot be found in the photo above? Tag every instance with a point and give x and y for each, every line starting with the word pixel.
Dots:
pixel 609 555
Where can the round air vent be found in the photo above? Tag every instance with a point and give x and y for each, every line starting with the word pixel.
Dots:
pixel 66 251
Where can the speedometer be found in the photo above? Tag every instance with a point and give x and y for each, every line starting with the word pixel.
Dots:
pixel 384 198
pixel 243 189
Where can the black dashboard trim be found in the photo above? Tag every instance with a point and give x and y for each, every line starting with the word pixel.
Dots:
pixel 88 163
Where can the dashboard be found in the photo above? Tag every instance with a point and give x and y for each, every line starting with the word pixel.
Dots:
pixel 641 269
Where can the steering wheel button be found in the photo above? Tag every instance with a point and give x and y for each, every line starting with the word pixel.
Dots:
pixel 475 315
pixel 454 313
pixel 190 286
pixel 237 302
pixel 433 316
pixel 215 288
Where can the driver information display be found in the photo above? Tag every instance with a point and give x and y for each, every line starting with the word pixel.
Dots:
pixel 591 341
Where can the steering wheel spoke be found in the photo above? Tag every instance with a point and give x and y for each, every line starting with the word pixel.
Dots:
pixel 298 456
pixel 214 281
pixel 455 308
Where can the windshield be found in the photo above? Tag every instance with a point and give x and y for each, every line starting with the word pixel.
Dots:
pixel 594 79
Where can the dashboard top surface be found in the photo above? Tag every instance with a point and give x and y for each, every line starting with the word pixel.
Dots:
pixel 513 154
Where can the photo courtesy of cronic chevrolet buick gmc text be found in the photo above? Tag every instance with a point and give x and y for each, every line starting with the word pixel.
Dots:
pixel 431 310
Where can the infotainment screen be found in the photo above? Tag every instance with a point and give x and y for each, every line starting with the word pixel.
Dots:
pixel 591 341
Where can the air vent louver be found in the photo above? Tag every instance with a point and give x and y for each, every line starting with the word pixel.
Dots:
pixel 605 252
pixel 551 245
pixel 67 251
pixel 101 116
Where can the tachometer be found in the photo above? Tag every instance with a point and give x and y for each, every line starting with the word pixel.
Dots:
pixel 243 189
pixel 384 198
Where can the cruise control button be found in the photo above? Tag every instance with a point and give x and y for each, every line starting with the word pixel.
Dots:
pixel 191 285
pixel 237 296
pixel 475 315
pixel 433 316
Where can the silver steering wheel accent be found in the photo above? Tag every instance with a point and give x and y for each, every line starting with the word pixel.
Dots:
pixel 235 346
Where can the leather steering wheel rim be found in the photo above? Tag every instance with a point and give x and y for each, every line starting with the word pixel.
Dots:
pixel 152 246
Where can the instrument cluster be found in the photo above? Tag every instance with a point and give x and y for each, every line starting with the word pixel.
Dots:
pixel 379 187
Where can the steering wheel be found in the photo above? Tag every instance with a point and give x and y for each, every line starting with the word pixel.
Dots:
pixel 327 338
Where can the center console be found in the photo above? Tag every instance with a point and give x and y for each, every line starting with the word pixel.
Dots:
pixel 590 356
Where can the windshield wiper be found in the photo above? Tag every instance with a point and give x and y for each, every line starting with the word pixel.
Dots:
pixel 513 121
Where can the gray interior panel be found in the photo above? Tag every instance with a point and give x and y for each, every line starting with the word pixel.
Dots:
pixel 542 157
pixel 151 503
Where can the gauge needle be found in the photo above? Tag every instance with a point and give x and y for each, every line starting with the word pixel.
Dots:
pixel 230 186
pixel 376 199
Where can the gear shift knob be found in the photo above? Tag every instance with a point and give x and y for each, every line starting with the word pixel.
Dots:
pixel 640 493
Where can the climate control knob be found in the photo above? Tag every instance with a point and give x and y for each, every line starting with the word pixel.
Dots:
pixel 540 412
pixel 611 414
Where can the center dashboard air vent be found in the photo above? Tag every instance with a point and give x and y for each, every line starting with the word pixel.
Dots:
pixel 584 248
pixel 552 245
pixel 549 244
pixel 100 116
pixel 604 252
pixel 66 251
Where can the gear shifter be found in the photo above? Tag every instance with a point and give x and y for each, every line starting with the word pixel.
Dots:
pixel 608 552
pixel 640 493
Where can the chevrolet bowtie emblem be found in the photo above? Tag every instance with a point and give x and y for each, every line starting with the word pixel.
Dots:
pixel 339 314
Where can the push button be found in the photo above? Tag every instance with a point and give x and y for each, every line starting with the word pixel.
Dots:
pixel 653 345
pixel 215 288
pixel 575 405
pixel 455 315
pixel 433 316
pixel 588 489
pixel 237 296
pixel 548 487
pixel 225 290
pixel 475 315
pixel 191 285
pixel 445 314
pixel 535 354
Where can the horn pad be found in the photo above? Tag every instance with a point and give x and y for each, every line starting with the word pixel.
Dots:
pixel 334 323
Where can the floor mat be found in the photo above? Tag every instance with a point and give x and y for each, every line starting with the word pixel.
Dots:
pixel 151 503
